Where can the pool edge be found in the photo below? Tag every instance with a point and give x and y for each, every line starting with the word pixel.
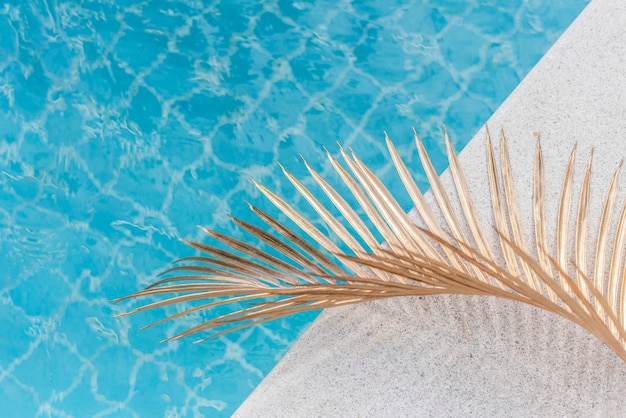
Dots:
pixel 347 363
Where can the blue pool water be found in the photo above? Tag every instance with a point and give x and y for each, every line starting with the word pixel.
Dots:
pixel 126 123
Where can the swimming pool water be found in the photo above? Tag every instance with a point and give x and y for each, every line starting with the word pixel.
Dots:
pixel 126 123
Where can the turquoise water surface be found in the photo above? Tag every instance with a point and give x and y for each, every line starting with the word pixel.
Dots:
pixel 126 123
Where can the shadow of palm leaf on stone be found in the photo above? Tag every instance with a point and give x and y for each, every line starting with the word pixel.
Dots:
pixel 447 253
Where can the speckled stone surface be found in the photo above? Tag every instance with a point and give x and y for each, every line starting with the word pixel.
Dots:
pixel 471 356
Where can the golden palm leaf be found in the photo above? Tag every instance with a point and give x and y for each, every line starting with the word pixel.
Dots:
pixel 438 257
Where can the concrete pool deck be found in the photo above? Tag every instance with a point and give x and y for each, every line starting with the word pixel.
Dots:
pixel 458 356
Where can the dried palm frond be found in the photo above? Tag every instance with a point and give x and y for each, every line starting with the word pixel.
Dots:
pixel 453 256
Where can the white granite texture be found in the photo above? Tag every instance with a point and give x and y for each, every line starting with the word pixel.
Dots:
pixel 471 356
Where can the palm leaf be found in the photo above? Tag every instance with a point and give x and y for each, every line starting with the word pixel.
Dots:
pixel 449 254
